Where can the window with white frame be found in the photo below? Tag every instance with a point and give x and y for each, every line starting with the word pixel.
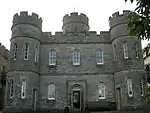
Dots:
pixel 36 55
pixel 52 57
pixel 76 57
pixel 99 57
pixel 11 88
pixel 51 91
pixel 136 51
pixel 23 89
pixel 125 50
pixel 26 51
pixel 101 91
pixel 129 86
pixel 15 51
pixel 141 87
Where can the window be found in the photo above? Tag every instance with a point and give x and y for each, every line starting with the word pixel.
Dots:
pixel 23 89
pixel 76 57
pixel 129 85
pixel 101 91
pixel 125 50
pixel 99 57
pixel 15 51
pixel 136 51
pixel 141 87
pixel 11 88
pixel 52 57
pixel 26 51
pixel 115 53
pixel 36 55
pixel 51 91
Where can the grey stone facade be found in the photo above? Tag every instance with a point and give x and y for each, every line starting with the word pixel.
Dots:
pixel 68 78
pixel 4 66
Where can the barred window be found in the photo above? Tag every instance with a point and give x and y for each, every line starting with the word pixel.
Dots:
pixel 101 91
pixel 11 88
pixel 129 86
pixel 52 57
pixel 125 50
pixel 76 57
pixel 23 89
pixel 15 51
pixel 99 57
pixel 26 51
pixel 141 87
pixel 51 91
pixel 136 51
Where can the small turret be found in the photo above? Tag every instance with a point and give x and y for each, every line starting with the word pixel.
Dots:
pixel 118 18
pixel 24 18
pixel 75 23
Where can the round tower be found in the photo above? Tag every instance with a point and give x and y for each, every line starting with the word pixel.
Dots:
pixel 128 62
pixel 25 41
pixel 23 77
pixel 75 23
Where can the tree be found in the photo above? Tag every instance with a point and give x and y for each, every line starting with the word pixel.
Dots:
pixel 139 20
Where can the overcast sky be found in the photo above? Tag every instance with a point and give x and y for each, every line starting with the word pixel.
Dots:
pixel 52 12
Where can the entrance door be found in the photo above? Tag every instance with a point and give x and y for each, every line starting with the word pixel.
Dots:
pixel 76 100
pixel 118 98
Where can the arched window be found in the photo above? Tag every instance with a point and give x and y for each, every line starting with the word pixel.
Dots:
pixel 51 91
pixel 101 91
pixel 23 89
pixel 136 51
pixel 129 86
pixel 99 57
pixel 15 51
pixel 115 53
pixel 125 50
pixel 141 87
pixel 36 58
pixel 52 57
pixel 76 57
pixel 11 88
pixel 26 51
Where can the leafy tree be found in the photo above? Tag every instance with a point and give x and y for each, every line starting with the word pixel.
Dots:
pixel 139 20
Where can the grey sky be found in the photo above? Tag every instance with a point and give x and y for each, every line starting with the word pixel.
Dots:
pixel 52 12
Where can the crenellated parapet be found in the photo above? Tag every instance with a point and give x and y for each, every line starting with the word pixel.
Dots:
pixel 91 37
pixel 3 51
pixel 25 18
pixel 118 18
pixel 75 17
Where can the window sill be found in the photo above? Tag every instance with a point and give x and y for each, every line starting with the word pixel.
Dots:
pixel 51 99
pixel 76 64
pixel 99 64
pixel 101 98
pixel 50 65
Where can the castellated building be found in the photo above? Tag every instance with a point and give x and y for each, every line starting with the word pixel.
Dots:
pixel 75 68
pixel 4 65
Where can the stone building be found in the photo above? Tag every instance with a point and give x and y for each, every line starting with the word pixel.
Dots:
pixel 4 54
pixel 74 67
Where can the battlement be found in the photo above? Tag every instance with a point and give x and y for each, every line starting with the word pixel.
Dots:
pixel 118 18
pixel 92 37
pixel 75 17
pixel 3 51
pixel 25 18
